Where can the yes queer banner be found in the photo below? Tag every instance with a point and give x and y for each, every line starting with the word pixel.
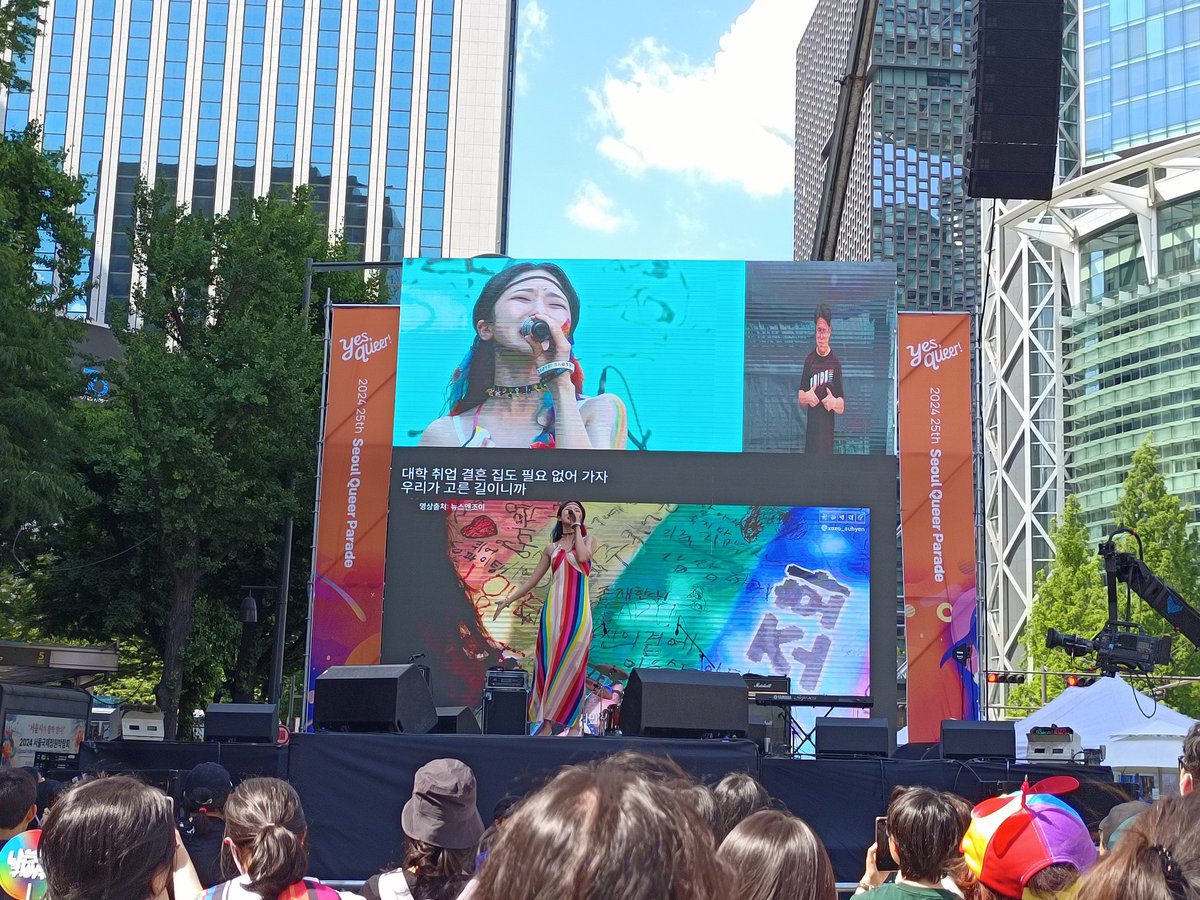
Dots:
pixel 356 470
pixel 937 501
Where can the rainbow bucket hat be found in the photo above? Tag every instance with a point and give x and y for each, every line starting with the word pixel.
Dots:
pixel 1015 836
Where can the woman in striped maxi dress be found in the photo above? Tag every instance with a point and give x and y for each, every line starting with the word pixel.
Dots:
pixel 565 629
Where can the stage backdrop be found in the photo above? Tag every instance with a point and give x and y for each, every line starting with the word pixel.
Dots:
pixel 708 554
pixel 938 522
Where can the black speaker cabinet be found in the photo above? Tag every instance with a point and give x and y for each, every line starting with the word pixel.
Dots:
pixel 1012 125
pixel 770 729
pixel 855 737
pixel 505 711
pixel 979 740
pixel 684 703
pixel 244 722
pixel 456 720
pixel 374 698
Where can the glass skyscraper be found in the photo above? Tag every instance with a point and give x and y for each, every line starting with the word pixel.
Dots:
pixel 1141 73
pixel 905 197
pixel 396 112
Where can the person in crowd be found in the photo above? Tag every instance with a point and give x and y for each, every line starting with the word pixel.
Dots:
pixel 266 833
pixel 1027 844
pixel 114 838
pixel 738 795
pixel 925 828
pixel 775 856
pixel 1157 858
pixel 821 391
pixel 706 804
pixel 606 828
pixel 565 631
pixel 1189 761
pixel 958 879
pixel 18 802
pixel 520 384
pixel 48 792
pixel 442 829
pixel 1119 819
pixel 205 789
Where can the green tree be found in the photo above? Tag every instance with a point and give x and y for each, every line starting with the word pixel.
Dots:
pixel 38 383
pixel 18 30
pixel 1172 552
pixel 1070 596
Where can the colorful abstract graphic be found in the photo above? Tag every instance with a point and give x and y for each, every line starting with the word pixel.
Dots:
pixel 774 590
pixel 21 873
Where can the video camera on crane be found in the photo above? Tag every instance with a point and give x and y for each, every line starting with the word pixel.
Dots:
pixel 1122 644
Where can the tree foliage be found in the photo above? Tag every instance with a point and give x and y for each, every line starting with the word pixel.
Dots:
pixel 19 21
pixel 1069 596
pixel 42 243
pixel 212 418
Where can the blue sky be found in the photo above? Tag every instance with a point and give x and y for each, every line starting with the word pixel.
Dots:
pixel 655 128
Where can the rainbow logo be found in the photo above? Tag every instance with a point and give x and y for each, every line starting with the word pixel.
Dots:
pixel 21 874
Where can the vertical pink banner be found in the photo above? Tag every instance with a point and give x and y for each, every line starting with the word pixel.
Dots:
pixel 356 471
pixel 937 510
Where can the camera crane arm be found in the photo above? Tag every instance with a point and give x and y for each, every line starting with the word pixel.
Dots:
pixel 1159 595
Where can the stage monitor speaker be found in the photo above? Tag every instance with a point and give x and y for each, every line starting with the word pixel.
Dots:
pixel 505 711
pixel 374 698
pixel 1012 121
pixel 456 720
pixel 979 740
pixel 770 728
pixel 684 703
pixel 855 737
pixel 256 723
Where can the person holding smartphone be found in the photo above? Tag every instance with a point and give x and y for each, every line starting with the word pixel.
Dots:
pixel 565 631
pixel 924 830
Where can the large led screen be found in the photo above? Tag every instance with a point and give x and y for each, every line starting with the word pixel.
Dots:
pixel 743 539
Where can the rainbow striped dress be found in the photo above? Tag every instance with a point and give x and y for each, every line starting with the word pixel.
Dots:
pixel 564 638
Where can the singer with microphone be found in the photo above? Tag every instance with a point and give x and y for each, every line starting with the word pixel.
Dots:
pixel 565 629
pixel 520 384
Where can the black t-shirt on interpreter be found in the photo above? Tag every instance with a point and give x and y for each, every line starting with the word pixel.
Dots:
pixel 822 374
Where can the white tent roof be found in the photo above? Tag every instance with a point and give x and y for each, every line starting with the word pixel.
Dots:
pixel 1139 734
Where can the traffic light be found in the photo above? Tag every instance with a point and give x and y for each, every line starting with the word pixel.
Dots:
pixel 1005 678
pixel 1080 680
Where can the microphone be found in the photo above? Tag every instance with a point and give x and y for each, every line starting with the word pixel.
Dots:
pixel 677 628
pixel 536 327
pixel 603 379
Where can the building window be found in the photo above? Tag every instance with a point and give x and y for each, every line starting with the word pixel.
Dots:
pixel 362 110
pixel 437 117
pixel 245 137
pixel 395 187
pixel 208 126
pixel 287 96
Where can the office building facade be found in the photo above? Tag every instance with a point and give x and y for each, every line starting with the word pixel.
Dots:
pixel 905 195
pixel 397 114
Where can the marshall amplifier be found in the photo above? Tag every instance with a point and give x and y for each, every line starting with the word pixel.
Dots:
pixel 768 684
pixel 505 680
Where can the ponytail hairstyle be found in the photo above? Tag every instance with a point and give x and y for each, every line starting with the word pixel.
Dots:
pixel 556 534
pixel 477 371
pixel 265 822
pixel 1157 858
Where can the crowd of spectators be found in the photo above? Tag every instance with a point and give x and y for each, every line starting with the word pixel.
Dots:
pixel 627 827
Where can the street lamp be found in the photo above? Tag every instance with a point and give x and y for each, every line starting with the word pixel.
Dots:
pixel 249 609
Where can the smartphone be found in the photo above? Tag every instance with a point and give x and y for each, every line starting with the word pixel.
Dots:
pixel 883 851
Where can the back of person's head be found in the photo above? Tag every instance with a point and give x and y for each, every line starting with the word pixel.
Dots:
pixel 205 789
pixel 705 802
pixel 265 823
pixel 108 837
pixel 928 827
pixel 775 856
pixel 1119 820
pixel 738 795
pixel 48 793
pixel 1157 858
pixel 605 829
pixel 1027 843
pixel 18 796
pixel 1189 762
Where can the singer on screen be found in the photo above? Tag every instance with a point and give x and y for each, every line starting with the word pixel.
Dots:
pixel 520 384
pixel 565 629
pixel 821 389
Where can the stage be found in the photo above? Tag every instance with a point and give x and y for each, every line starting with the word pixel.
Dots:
pixel 354 785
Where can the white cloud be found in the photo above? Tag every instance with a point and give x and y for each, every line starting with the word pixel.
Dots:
pixel 728 120
pixel 594 210
pixel 534 21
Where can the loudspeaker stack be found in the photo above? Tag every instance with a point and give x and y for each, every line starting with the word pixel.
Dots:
pixel 1015 86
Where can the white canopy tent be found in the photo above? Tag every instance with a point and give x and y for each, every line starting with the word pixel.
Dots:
pixel 1139 734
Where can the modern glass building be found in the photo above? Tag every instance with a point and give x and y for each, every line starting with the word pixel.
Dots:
pixel 905 197
pixel 1141 73
pixel 396 112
